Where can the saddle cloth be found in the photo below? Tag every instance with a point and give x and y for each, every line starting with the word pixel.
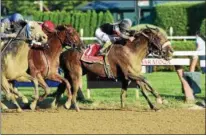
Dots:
pixel 90 54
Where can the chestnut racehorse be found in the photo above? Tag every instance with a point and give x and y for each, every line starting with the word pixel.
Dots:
pixel 44 64
pixel 124 61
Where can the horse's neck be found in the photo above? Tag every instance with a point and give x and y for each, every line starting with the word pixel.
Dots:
pixel 139 49
pixel 55 46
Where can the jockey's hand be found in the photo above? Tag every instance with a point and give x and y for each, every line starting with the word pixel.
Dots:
pixel 131 39
pixel 118 33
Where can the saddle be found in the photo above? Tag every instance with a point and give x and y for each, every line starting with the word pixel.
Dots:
pixel 90 55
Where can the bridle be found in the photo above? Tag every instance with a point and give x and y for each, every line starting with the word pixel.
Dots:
pixel 159 52
pixel 69 42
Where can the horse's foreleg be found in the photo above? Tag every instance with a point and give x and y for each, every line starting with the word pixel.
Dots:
pixel 76 86
pixel 26 78
pixel 9 96
pixel 80 95
pixel 123 93
pixel 154 93
pixel 143 90
pixel 3 106
pixel 44 85
pixel 60 90
pixel 59 78
pixel 19 94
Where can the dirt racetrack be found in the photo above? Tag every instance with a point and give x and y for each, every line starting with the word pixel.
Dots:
pixel 170 121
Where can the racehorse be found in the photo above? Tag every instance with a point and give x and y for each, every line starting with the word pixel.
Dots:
pixel 44 64
pixel 122 63
pixel 14 61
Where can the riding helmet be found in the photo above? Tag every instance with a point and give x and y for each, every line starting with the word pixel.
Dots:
pixel 16 17
pixel 49 26
pixel 125 24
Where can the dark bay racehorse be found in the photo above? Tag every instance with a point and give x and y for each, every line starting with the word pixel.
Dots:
pixel 14 61
pixel 44 64
pixel 125 64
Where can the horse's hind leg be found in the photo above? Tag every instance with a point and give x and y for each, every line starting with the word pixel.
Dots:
pixel 9 96
pixel 26 78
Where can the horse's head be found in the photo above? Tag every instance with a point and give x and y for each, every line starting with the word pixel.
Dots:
pixel 35 32
pixel 72 37
pixel 158 44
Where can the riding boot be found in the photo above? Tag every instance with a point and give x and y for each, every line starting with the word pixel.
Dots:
pixel 105 46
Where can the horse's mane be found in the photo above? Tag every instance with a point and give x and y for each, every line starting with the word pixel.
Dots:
pixel 63 27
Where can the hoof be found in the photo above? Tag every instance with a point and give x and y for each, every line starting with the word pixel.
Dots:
pixel 25 100
pixel 67 105
pixel 33 105
pixel 156 109
pixel 4 107
pixel 54 105
pixel 19 110
pixel 159 100
pixel 77 108
pixel 165 102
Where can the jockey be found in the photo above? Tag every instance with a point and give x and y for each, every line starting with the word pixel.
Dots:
pixel 7 25
pixel 110 33
pixel 8 29
pixel 48 27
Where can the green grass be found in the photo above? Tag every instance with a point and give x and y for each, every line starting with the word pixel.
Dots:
pixel 166 83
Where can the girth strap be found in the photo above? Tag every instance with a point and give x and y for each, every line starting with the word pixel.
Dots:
pixel 107 68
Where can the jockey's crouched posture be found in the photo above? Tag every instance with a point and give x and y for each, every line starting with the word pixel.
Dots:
pixel 9 30
pixel 110 33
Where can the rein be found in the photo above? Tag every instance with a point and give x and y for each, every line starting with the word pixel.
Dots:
pixel 16 38
pixel 63 43
pixel 158 46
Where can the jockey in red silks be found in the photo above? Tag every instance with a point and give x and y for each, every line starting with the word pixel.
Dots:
pixel 48 27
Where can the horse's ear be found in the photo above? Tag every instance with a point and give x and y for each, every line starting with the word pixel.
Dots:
pixel 65 26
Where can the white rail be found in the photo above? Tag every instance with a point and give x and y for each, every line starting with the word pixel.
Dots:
pixel 169 37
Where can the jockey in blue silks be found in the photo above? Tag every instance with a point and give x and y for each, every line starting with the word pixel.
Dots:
pixel 8 28
pixel 6 25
